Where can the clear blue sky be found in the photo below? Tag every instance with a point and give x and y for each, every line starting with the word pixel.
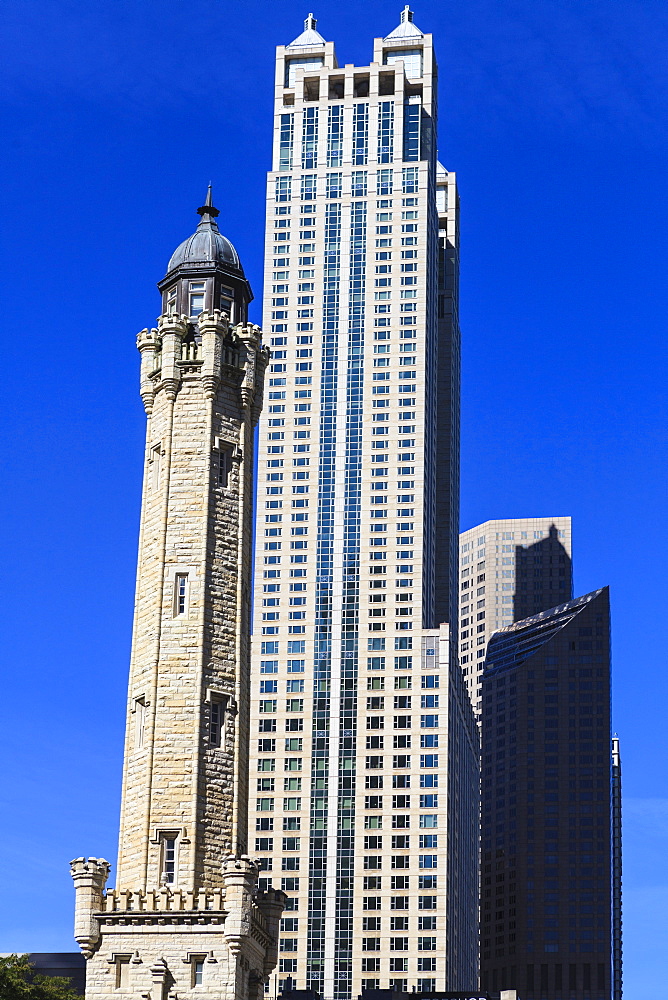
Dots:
pixel 115 115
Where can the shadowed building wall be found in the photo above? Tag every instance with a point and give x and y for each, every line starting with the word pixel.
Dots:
pixel 547 913
pixel 508 569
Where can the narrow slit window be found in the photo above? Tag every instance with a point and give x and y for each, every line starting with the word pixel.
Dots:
pixel 154 467
pixel 198 972
pixel 169 859
pixel 140 722
pixel 223 467
pixel 122 971
pixel 181 594
pixel 216 722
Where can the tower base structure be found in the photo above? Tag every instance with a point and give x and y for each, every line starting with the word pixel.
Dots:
pixel 168 944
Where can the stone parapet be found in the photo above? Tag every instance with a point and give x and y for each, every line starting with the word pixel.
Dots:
pixel 162 900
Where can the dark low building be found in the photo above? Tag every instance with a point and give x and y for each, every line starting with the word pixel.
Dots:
pixel 66 964
pixel 549 904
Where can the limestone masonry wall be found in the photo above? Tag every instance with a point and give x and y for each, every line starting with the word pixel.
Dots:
pixel 185 912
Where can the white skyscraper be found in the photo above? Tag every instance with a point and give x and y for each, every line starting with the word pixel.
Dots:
pixel 508 570
pixel 364 746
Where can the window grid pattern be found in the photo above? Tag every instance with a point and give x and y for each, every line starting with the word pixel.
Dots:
pixel 412 113
pixel 350 602
pixel 384 181
pixel 385 131
pixel 335 136
pixel 360 134
pixel 334 185
pixel 310 139
pixel 283 188
pixel 431 347
pixel 323 597
pixel 286 142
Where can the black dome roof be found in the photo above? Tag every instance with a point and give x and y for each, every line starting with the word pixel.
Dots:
pixel 207 244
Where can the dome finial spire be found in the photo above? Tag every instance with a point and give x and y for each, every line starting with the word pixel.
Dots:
pixel 207 210
pixel 406 14
pixel 310 23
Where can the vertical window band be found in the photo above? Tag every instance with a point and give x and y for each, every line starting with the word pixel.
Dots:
pixel 385 131
pixel 310 139
pixel 360 134
pixel 286 142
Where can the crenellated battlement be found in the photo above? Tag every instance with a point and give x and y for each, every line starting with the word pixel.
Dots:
pixel 170 323
pixel 162 900
pixel 193 902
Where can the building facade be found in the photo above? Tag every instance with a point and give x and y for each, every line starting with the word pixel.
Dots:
pixel 356 553
pixel 508 570
pixel 183 919
pixel 550 880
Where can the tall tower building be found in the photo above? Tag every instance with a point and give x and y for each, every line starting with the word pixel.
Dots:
pixel 357 708
pixel 550 880
pixel 182 919
pixel 508 569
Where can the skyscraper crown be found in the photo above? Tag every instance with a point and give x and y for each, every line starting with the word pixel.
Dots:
pixel 309 35
pixel 406 28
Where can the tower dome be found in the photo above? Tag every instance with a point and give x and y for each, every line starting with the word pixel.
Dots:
pixel 207 244
pixel 205 273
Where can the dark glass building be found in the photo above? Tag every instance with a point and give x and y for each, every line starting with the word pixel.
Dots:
pixel 549 909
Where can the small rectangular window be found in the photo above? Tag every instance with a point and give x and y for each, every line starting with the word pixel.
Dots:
pixel 169 859
pixel 216 716
pixel 181 594
pixel 154 467
pixel 223 466
pixel 227 303
pixel 122 971
pixel 198 972
pixel 197 291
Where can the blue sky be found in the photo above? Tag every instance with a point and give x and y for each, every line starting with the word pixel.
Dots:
pixel 114 117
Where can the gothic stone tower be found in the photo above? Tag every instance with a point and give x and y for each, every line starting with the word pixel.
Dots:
pixel 185 918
